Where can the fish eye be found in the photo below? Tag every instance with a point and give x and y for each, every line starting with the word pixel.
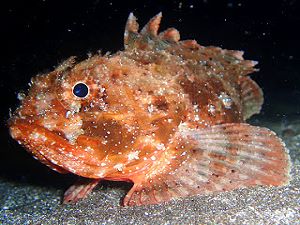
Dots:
pixel 80 90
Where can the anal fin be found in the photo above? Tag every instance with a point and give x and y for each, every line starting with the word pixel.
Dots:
pixel 218 158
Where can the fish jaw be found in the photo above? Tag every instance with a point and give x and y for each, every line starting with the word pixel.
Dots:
pixel 55 151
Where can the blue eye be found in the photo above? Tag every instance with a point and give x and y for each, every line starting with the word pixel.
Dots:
pixel 80 90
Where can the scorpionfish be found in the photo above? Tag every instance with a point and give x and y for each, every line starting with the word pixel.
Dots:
pixel 164 114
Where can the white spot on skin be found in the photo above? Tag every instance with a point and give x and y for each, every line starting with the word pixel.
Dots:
pixel 161 91
pixel 21 96
pixel 68 113
pixel 41 96
pixel 211 108
pixel 100 173
pixel 49 123
pixel 226 100
pixel 73 129
pixel 150 108
pixel 128 127
pixel 37 136
pixel 148 140
pixel 75 106
pixel 243 176
pixel 153 158
pixel 88 149
pixel 102 89
pixel 196 108
pixel 170 120
pixel 160 146
pixel 133 155
pixel 183 126
pixel 119 167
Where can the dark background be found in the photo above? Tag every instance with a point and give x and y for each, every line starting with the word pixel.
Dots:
pixel 38 35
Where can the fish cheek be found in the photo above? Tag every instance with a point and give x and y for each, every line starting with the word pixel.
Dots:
pixel 92 145
pixel 112 136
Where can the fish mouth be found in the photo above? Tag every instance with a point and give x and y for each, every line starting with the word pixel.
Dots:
pixel 55 151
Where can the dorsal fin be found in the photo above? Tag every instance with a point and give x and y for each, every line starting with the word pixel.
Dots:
pixel 132 24
pixel 229 63
pixel 152 26
pixel 170 34
pixel 131 30
pixel 148 37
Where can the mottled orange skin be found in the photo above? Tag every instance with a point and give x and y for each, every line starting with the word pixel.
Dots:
pixel 127 128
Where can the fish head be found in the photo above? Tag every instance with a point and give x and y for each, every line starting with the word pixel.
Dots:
pixel 94 118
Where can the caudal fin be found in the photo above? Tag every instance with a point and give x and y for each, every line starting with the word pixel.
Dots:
pixel 251 95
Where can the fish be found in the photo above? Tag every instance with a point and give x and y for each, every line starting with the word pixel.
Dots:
pixel 165 114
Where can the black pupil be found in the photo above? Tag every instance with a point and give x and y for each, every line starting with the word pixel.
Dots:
pixel 80 90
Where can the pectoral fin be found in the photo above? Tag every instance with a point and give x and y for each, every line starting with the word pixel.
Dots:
pixel 218 158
